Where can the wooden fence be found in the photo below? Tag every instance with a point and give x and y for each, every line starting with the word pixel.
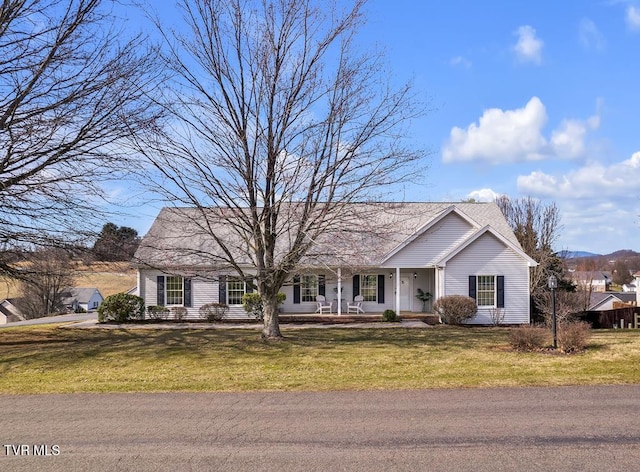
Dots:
pixel 608 319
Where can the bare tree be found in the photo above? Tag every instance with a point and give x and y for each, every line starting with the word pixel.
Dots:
pixel 70 90
pixel 42 282
pixel 537 227
pixel 278 120
pixel 567 305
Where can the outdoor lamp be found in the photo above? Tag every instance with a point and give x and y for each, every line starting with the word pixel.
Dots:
pixel 553 285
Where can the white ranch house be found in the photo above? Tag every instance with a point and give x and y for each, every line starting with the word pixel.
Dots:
pixel 382 252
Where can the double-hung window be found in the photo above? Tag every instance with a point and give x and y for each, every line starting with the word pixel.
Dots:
pixel 369 288
pixel 486 290
pixel 308 288
pixel 173 290
pixel 236 288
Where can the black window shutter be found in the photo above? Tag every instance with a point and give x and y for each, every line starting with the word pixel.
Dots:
pixel 321 285
pixel 356 285
pixel 380 288
pixel 160 293
pixel 249 285
pixel 222 289
pixel 187 292
pixel 296 289
pixel 500 292
pixel 472 287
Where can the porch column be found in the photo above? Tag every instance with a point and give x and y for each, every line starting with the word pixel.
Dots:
pixel 339 291
pixel 397 290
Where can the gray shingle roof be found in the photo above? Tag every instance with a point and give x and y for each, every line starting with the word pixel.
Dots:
pixel 362 234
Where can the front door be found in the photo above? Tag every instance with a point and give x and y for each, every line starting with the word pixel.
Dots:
pixel 405 293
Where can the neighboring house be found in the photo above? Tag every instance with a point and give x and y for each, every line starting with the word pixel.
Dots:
pixel 636 276
pixel 600 301
pixel 9 312
pixel 76 299
pixel 441 248
pixel 592 281
pixel 630 287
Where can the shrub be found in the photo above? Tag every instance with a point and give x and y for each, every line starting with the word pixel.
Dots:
pixel 497 316
pixel 252 303
pixel 390 315
pixel 156 312
pixel 121 307
pixel 214 311
pixel 455 309
pixel 179 312
pixel 573 337
pixel 528 338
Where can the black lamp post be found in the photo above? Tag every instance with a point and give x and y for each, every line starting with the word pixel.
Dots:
pixel 553 285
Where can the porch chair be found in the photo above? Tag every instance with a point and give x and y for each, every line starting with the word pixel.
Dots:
pixel 356 305
pixel 323 304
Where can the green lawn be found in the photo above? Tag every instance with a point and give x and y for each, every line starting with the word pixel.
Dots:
pixel 47 359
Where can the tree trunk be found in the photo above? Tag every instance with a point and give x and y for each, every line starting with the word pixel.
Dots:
pixel 271 327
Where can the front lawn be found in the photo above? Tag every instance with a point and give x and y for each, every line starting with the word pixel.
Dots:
pixel 48 359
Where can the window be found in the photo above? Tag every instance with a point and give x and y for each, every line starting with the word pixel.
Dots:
pixel 236 288
pixel 308 288
pixel 369 287
pixel 174 290
pixel 486 291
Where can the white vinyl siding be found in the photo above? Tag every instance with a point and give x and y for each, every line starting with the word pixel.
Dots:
pixel 488 255
pixel 202 292
pixel 434 243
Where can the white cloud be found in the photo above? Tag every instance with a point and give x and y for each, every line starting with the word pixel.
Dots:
pixel 593 181
pixel 590 35
pixel 500 136
pixel 528 48
pixel 568 140
pixel 633 18
pixel 460 61
pixel 483 195
pixel 503 136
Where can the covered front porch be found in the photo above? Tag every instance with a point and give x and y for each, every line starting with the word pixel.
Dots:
pixel 376 288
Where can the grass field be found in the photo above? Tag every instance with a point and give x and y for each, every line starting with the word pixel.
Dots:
pixel 108 277
pixel 47 359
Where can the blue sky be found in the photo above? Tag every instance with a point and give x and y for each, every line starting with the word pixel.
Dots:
pixel 533 99
pixel 536 98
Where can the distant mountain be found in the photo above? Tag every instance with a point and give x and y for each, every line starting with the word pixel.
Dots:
pixel 623 253
pixel 576 254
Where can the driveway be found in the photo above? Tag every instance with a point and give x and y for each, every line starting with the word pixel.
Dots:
pixel 533 429
pixel 72 317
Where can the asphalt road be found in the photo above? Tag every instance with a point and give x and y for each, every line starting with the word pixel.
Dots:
pixel 532 429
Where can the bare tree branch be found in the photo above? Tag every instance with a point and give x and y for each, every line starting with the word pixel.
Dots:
pixel 70 90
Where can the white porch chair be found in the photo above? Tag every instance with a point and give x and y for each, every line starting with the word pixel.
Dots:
pixel 323 305
pixel 356 305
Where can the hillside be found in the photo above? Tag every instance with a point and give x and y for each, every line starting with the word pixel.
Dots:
pixel 108 277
